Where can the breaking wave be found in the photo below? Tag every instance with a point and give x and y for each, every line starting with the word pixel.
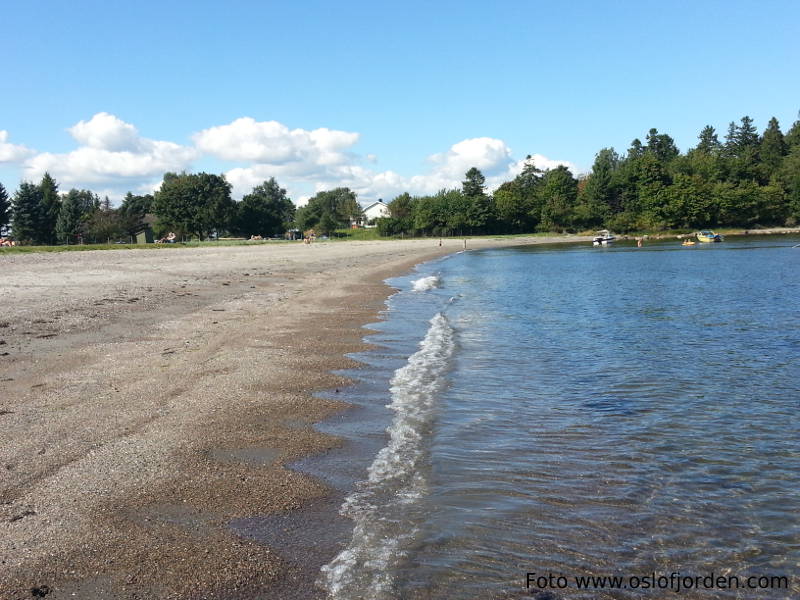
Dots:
pixel 383 506
pixel 426 283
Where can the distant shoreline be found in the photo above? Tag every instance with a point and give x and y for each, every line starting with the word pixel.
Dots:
pixel 535 238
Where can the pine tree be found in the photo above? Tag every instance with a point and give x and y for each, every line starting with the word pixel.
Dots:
pixel 51 205
pixel 661 146
pixel 773 146
pixel 480 211
pixel 709 142
pixel 76 208
pixel 746 134
pixel 5 208
pixel 792 137
pixel 26 214
pixel 474 184
pixel 597 196
pixel 636 150
pixel 730 140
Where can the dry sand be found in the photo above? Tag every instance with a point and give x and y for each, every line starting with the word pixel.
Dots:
pixel 149 397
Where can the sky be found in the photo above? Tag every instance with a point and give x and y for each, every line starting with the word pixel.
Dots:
pixel 381 97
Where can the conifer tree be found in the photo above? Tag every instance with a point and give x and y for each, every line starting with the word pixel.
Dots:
pixel 730 140
pixel 5 208
pixel 480 211
pixel 746 134
pixel 709 142
pixel 76 207
pixel 51 205
pixel 773 146
pixel 26 214
pixel 792 137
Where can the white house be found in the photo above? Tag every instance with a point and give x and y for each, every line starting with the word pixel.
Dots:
pixel 376 210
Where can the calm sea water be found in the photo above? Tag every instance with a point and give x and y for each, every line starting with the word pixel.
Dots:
pixel 583 411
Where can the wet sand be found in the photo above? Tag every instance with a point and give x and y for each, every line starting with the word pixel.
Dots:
pixel 150 399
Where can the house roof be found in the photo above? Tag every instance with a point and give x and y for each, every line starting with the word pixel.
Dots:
pixel 378 203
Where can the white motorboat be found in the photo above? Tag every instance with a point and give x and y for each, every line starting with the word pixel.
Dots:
pixel 603 238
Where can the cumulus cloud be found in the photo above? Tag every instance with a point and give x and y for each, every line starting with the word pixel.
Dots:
pixel 9 152
pixel 111 153
pixel 446 169
pixel 270 142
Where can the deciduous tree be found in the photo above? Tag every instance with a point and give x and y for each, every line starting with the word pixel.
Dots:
pixel 198 203
pixel 266 210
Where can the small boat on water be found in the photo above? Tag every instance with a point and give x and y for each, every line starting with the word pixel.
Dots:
pixel 687 243
pixel 708 236
pixel 603 238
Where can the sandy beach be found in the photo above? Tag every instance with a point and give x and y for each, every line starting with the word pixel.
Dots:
pixel 150 397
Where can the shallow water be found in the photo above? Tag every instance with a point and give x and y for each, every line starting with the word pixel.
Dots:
pixel 582 411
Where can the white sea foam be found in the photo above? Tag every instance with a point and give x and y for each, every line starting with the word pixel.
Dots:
pixel 381 506
pixel 424 284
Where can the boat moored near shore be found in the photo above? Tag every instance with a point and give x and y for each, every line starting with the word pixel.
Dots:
pixel 708 236
pixel 603 238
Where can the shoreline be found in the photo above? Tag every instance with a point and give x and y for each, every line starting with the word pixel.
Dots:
pixel 151 398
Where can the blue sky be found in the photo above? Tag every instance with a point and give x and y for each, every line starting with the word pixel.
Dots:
pixel 383 97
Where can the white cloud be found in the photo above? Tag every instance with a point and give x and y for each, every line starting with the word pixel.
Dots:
pixel 487 154
pixel 107 132
pixel 112 156
pixel 9 152
pixel 111 153
pixel 270 142
pixel 447 169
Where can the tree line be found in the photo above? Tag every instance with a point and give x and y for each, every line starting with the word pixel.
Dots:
pixel 745 180
pixel 192 205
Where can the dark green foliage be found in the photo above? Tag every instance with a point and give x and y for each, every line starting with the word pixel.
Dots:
pixel 5 208
pixel 598 196
pixel 559 192
pixel 266 211
pixel 51 206
pixel 473 184
pixel 788 178
pixel 709 142
pixel 77 207
pixel 402 219
pixel 661 146
pixel 106 225
pixel 133 211
pixel 327 224
pixel 773 148
pixel 402 207
pixel 197 204
pixel 479 206
pixel 340 206
pixel 792 137
pixel 26 214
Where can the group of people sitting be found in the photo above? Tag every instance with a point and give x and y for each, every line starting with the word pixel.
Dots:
pixel 7 242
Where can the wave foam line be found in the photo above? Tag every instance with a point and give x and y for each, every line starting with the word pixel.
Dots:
pixel 382 507
pixel 424 284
